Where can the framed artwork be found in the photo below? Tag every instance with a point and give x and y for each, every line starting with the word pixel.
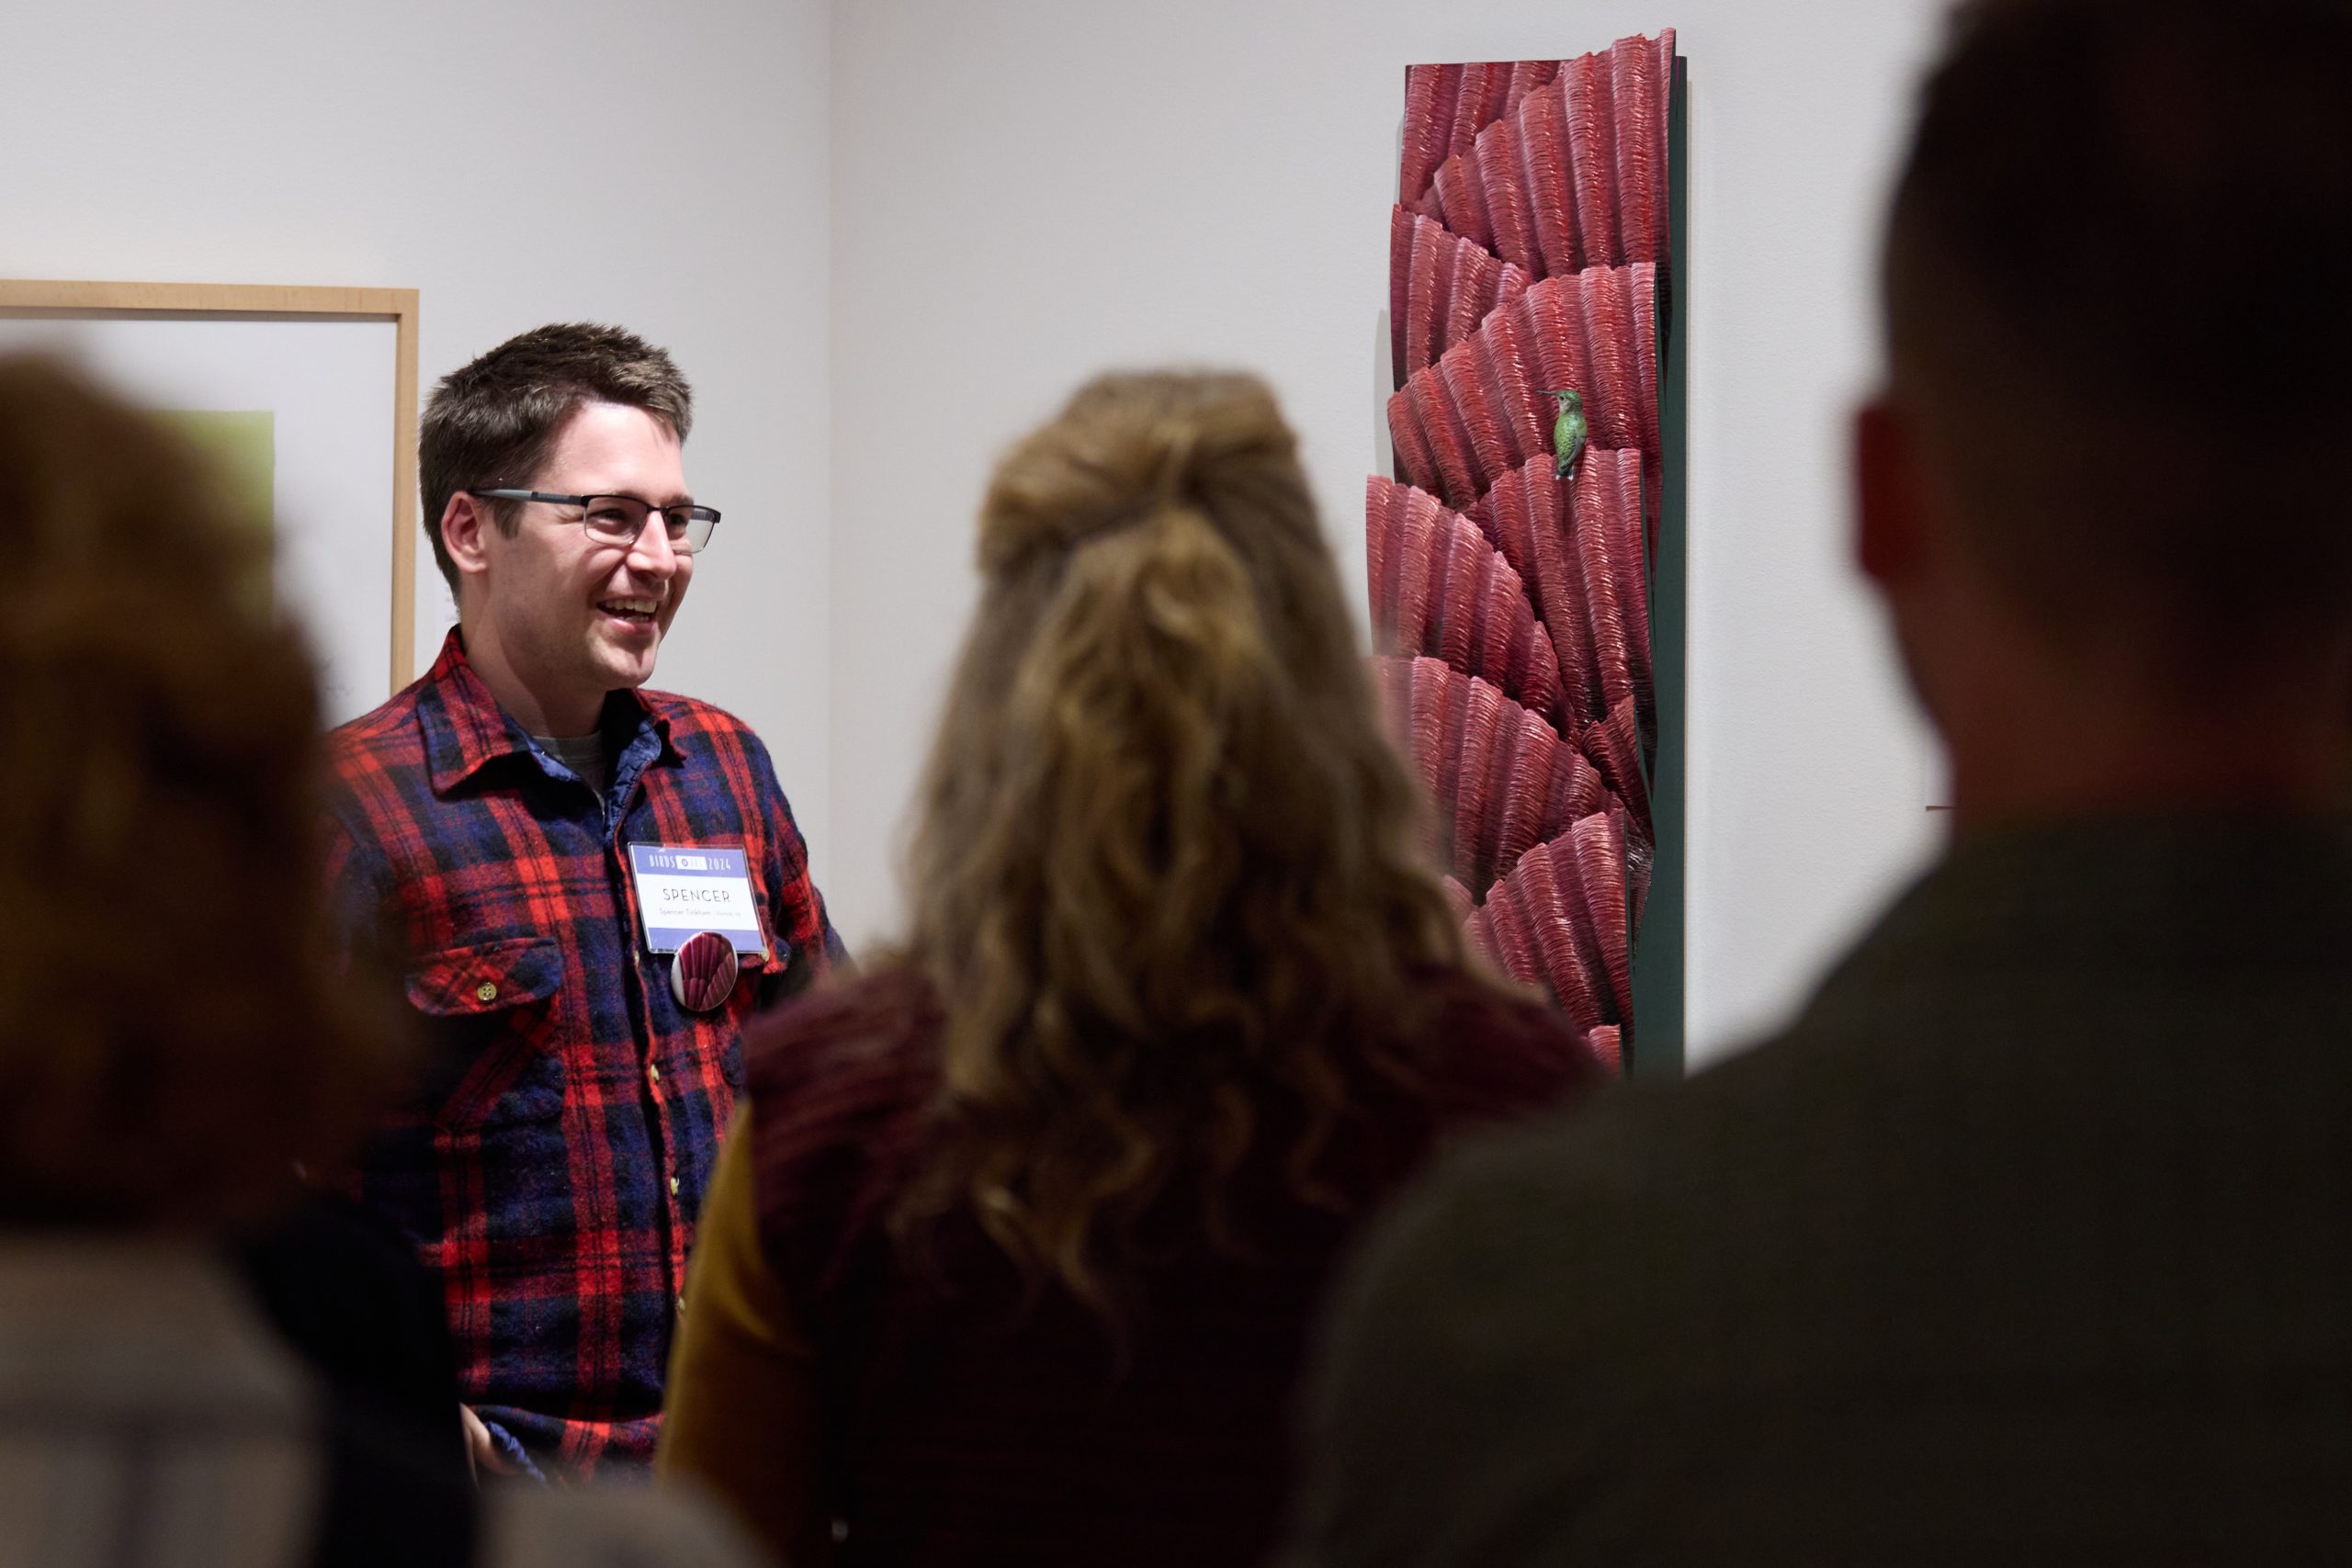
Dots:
pixel 307 400
pixel 1527 554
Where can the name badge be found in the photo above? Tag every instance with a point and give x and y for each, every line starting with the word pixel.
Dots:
pixel 683 891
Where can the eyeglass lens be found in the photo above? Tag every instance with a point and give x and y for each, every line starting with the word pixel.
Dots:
pixel 619 519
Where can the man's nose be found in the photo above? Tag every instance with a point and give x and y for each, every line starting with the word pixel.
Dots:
pixel 652 552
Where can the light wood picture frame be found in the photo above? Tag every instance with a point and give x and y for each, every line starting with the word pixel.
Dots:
pixel 326 388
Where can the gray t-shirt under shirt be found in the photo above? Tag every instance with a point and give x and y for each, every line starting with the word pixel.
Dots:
pixel 586 755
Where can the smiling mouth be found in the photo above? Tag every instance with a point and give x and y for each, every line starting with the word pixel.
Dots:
pixel 635 612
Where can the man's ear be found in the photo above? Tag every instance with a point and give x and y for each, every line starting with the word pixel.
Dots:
pixel 465 522
pixel 1890 525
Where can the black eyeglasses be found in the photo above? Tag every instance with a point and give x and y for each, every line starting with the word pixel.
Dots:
pixel 619 519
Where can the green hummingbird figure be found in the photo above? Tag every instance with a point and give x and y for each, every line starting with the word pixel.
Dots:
pixel 1567 432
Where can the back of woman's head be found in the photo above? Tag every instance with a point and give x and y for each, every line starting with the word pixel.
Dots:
pixel 170 1039
pixel 1165 878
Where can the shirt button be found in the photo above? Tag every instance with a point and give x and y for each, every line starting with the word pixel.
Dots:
pixel 486 992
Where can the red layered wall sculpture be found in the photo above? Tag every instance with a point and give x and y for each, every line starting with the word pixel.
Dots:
pixel 1528 253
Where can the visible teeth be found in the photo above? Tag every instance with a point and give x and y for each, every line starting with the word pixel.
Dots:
pixel 631 606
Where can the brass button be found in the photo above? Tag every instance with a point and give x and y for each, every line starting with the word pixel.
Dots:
pixel 486 992
pixel 682 1306
pixel 655 1072
pixel 673 1187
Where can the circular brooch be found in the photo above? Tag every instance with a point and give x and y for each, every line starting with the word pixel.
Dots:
pixel 702 971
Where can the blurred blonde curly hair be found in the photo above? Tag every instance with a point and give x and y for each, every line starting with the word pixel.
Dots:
pixel 1165 878
pixel 172 1037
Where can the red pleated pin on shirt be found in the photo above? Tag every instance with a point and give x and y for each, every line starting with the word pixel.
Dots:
pixel 702 971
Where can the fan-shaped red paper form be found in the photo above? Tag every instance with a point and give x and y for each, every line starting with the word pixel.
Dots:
pixel 1447 106
pixel 1441 289
pixel 1562 920
pixel 1574 175
pixel 1609 504
pixel 1615 747
pixel 1439 587
pixel 1578 547
pixel 1503 780
pixel 1481 411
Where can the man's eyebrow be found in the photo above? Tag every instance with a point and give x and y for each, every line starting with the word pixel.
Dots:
pixel 685 497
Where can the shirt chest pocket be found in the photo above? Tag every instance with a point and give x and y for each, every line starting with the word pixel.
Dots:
pixel 491 1010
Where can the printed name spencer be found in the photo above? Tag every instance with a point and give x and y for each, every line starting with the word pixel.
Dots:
pixel 683 891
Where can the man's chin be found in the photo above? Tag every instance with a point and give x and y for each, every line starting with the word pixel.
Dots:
pixel 626 668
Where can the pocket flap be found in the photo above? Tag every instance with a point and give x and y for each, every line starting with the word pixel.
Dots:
pixel 486 976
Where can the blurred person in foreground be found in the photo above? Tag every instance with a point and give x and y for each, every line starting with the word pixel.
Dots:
pixel 174 1038
pixel 2028 1241
pixel 1016 1261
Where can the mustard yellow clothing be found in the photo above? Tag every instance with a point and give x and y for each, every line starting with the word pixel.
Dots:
pixel 742 1412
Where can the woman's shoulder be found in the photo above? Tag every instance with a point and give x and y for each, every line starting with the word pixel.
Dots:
pixel 868 1032
pixel 842 1081
pixel 1501 1050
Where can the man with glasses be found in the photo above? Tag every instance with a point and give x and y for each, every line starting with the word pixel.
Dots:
pixel 587 885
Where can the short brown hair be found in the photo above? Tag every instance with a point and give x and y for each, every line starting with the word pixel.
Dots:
pixel 490 424
pixel 2119 285
pixel 173 1035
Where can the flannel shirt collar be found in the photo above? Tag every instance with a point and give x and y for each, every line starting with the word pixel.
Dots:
pixel 465 730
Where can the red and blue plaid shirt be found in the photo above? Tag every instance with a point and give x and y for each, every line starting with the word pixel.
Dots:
pixel 552 1164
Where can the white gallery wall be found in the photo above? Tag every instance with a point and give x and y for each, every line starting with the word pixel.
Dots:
pixel 1025 191
pixel 884 236
pixel 518 162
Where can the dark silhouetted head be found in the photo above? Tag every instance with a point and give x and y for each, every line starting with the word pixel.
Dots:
pixel 2118 298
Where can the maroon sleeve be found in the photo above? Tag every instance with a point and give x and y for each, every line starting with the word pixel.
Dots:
pixel 1507 1056
pixel 843 1078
